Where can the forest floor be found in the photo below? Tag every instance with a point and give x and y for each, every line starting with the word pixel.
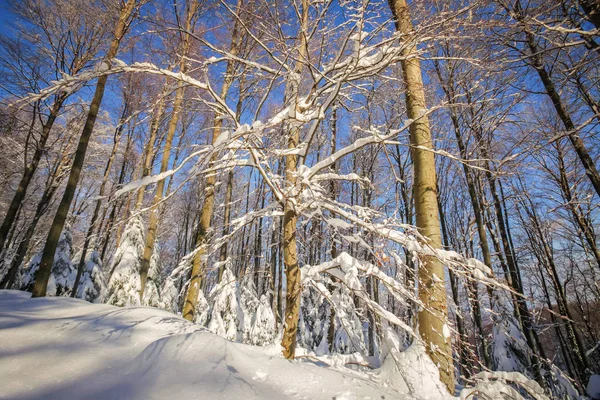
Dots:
pixel 62 348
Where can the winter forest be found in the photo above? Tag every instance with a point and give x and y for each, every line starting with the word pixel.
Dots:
pixel 344 199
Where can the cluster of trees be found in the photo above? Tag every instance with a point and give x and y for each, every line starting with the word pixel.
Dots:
pixel 329 171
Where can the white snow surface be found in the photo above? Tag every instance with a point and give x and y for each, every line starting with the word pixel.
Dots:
pixel 63 348
pixel 593 387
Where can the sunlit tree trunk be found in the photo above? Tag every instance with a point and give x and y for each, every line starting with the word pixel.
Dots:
pixel 290 217
pixel 434 316
pixel 199 261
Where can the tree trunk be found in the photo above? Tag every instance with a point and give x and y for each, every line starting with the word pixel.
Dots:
pixel 92 226
pixel 537 62
pixel 148 149
pixel 226 221
pixel 43 273
pixel 199 261
pixel 577 348
pixel 290 218
pixel 463 342
pixel 116 205
pixel 29 171
pixel 52 185
pixel 164 166
pixel 433 318
pixel 477 211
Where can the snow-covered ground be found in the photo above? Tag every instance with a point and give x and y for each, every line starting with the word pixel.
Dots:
pixel 62 348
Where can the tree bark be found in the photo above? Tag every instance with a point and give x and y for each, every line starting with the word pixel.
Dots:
pixel 199 261
pixel 290 217
pixel 52 185
pixel 434 316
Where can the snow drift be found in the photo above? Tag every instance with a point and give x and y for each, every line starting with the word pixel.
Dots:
pixel 62 348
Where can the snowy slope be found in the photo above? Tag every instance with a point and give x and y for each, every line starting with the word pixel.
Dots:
pixel 61 348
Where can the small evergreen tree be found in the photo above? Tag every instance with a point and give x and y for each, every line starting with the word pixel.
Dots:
pixel 262 331
pixel 124 285
pixel 249 303
pixel 314 321
pixel 349 337
pixel 92 286
pixel 62 274
pixel 227 316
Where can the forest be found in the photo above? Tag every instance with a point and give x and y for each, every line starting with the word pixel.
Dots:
pixel 403 191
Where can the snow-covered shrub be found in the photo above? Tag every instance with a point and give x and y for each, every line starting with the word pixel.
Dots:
pixel 249 304
pixel 174 287
pixel 313 325
pixel 202 311
pixel 262 331
pixel 510 351
pixel 92 286
pixel 63 273
pixel 503 385
pixel 410 371
pixel 124 284
pixel 349 337
pixel 226 316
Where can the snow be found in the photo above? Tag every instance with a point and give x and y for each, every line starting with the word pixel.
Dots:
pixel 62 348
pixel 593 387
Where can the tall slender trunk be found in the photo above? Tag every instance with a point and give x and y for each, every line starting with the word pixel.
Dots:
pixel 273 265
pixel 514 271
pixel 226 222
pixel 43 273
pixel 164 166
pixel 290 217
pixel 434 316
pixel 149 150
pixel 463 342
pixel 477 209
pixel 53 182
pixel 584 224
pixel 258 274
pixel 577 348
pixel 199 261
pixel 116 205
pixel 92 226
pixel 30 169
pixel 537 63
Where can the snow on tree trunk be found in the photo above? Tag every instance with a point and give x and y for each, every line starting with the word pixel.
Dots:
pixel 151 295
